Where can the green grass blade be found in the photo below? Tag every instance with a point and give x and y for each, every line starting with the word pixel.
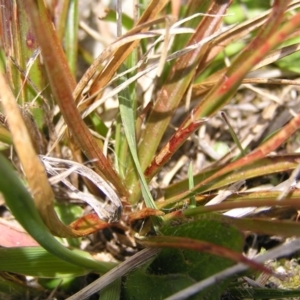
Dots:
pixel 128 121
pixel 71 39
pixel 191 185
pixel 36 261
pixel 233 134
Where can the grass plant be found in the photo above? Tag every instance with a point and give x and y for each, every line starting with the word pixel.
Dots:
pixel 177 142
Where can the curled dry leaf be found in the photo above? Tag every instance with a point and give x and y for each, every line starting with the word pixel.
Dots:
pixel 144 213
pixel 109 210
pixel 91 223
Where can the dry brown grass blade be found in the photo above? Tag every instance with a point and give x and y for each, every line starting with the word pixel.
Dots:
pixel 62 85
pixel 200 89
pixel 107 54
pixel 177 83
pixel 204 86
pixel 120 55
pixel 235 33
pixel 33 168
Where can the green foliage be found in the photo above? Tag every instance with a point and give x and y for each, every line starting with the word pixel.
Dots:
pixel 202 68
pixel 175 269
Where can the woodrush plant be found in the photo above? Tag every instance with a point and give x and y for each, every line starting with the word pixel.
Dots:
pixel 40 61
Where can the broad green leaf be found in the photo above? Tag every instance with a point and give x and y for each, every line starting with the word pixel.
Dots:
pixel 197 263
pixel 183 267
